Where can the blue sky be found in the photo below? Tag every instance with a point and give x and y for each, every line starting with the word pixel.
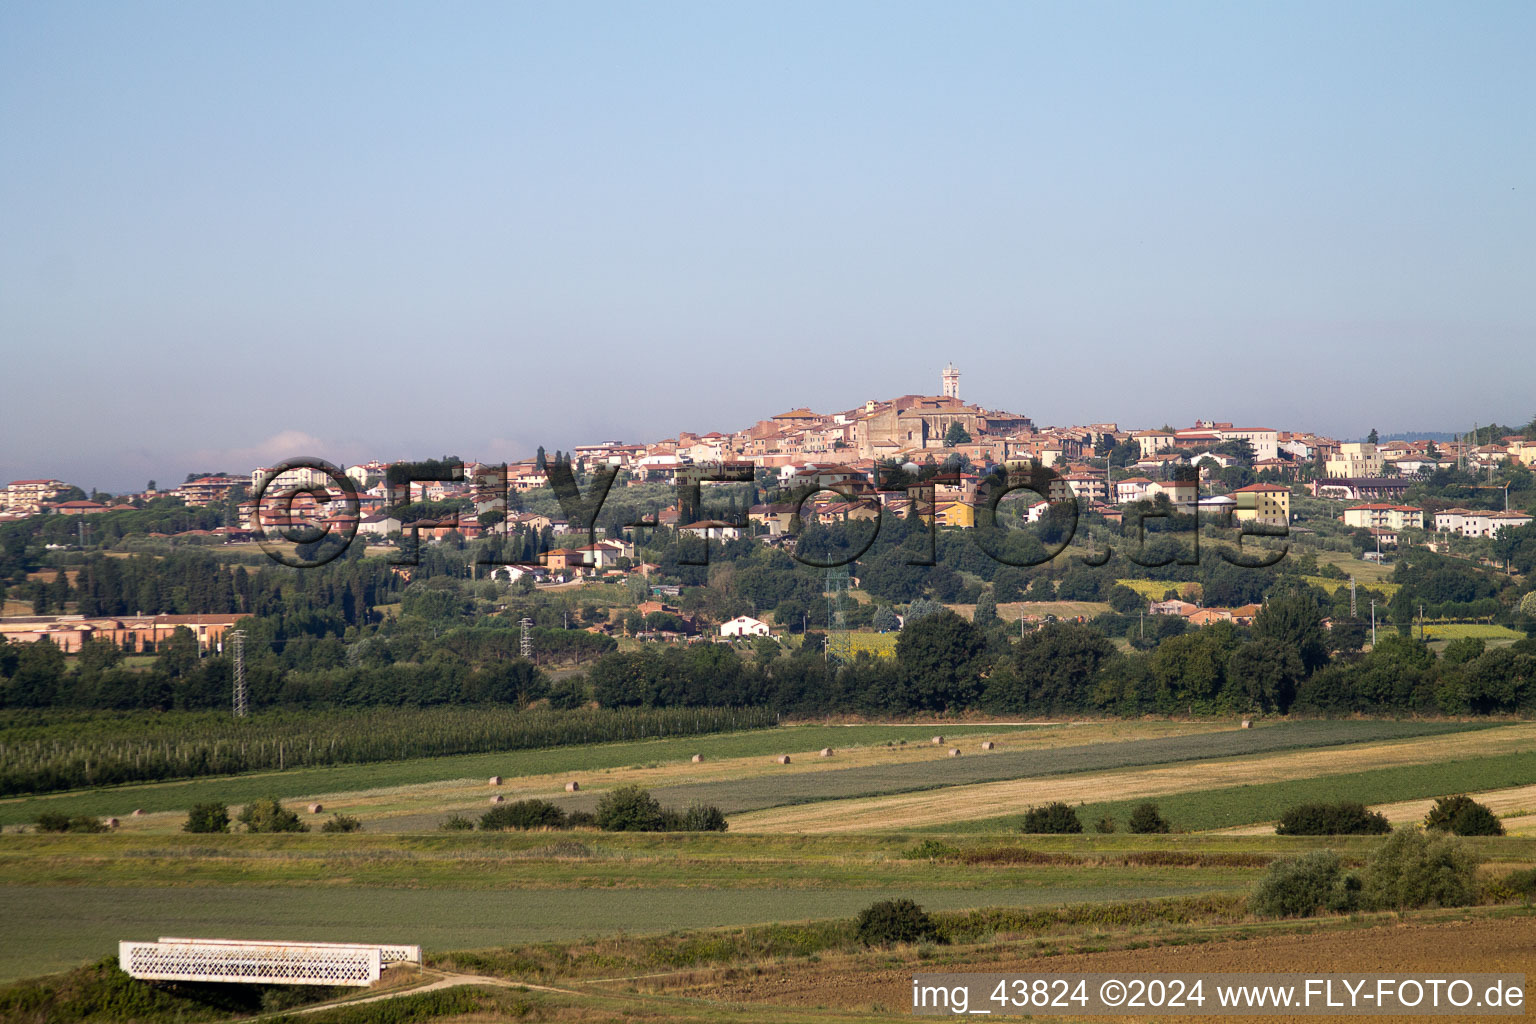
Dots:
pixel 235 232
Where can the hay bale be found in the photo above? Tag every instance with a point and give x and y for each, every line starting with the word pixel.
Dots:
pixel 698 758
pixel 987 745
pixel 137 813
pixel 316 808
pixel 495 780
pixel 938 741
pixel 572 786
pixel 112 823
pixel 1247 723
pixel 498 798
pixel 781 759
pixel 826 751
pixel 954 751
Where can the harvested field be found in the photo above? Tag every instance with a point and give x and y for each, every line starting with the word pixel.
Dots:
pixel 940 770
pixel 996 799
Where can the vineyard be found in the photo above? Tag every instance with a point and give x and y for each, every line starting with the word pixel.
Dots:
pixel 40 754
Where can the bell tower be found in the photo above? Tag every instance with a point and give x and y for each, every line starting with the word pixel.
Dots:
pixel 951 378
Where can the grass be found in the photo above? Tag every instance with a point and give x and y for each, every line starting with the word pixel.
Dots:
pixel 172 796
pixel 1153 590
pixel 51 928
pixel 1331 585
pixel 1232 806
pixel 1365 573
pixel 1480 630
pixel 768 790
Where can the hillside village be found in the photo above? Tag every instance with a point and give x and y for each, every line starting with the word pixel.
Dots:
pixel 1347 509
pixel 1246 472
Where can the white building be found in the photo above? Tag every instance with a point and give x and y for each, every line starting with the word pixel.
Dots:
pixel 744 625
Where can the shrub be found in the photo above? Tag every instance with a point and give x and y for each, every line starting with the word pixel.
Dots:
pixel 1145 820
pixel 1413 870
pixel 703 818
pixel 1461 815
pixel 930 849
pixel 891 921
pixel 211 817
pixel 629 809
pixel 455 823
pixel 1522 883
pixel 1052 819
pixel 1105 824
pixel 522 814
pixel 1341 819
pixel 1301 886
pixel 269 815
pixel 342 823
pixel 52 821
pixel 581 819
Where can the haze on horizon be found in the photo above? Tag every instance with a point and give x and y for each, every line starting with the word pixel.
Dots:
pixel 238 232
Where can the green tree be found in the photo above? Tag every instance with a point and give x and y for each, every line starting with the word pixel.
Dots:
pixel 1373 437
pixel 1051 819
pixel 209 817
pixel 629 809
pixel 268 814
pixel 1302 886
pixel 1461 815
pixel 985 616
pixel 1145 820
pixel 1412 870
pixel 940 659
pixel 956 435
pixel 889 922
pixel 1295 621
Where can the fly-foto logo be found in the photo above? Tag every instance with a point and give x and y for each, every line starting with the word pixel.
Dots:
pixel 864 499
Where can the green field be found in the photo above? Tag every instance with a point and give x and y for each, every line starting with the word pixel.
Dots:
pixel 1480 630
pixel 50 928
pixel 1248 805
pixel 171 796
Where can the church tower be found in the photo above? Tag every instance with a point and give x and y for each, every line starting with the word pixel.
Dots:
pixel 951 378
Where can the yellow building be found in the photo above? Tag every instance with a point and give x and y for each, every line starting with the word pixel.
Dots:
pixel 1355 459
pixel 956 513
pixel 1269 504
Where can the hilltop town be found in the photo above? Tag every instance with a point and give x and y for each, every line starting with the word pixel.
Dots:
pixel 1249 472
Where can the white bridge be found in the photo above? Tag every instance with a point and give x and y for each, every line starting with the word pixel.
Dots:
pixel 261 963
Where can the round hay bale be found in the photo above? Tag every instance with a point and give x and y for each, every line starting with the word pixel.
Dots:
pixel 782 759
pixel 495 780
pixel 572 786
pixel 1247 723
pixel 112 823
pixel 938 741
pixel 498 798
pixel 137 813
pixel 954 751
pixel 987 745
pixel 316 808
pixel 698 758
pixel 826 751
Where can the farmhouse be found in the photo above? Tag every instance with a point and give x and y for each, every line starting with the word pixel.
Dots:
pixel 744 625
